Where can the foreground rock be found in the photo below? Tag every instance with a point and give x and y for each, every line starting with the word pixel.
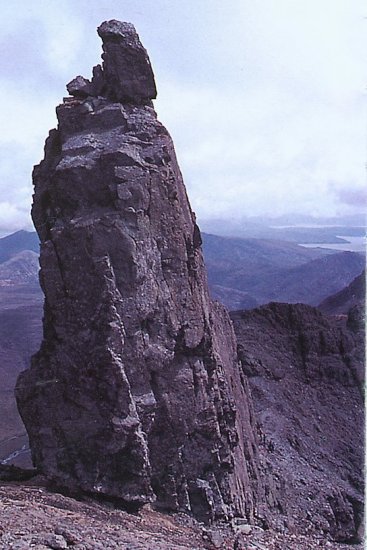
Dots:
pixel 304 373
pixel 13 473
pixel 33 517
pixel 136 391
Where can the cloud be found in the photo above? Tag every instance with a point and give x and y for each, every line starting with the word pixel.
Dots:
pixel 353 197
pixel 263 99
pixel 269 139
pixel 264 152
pixel 13 218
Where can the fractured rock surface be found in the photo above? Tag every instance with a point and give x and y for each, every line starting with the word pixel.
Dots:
pixel 306 374
pixel 135 392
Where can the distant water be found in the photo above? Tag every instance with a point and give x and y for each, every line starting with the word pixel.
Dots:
pixel 304 225
pixel 354 244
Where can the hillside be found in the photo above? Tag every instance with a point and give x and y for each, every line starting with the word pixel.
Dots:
pixel 51 520
pixel 21 268
pixel 20 336
pixel 21 306
pixel 245 272
pixel 352 295
pixel 313 281
pixel 303 371
pixel 33 516
pixel 17 242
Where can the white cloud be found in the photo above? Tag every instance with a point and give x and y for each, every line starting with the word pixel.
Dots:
pixel 13 218
pixel 263 99
pixel 276 152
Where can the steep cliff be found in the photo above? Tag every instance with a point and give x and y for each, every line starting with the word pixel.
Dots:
pixel 135 392
pixel 305 373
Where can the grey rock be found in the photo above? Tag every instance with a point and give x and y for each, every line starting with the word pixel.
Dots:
pixel 126 74
pixel 126 67
pixel 20 545
pixel 136 391
pixel 69 534
pixel 56 542
pixel 80 87
pixel 240 525
pixel 303 372
pixel 98 80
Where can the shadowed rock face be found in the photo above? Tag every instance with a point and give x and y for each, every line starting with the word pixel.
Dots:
pixel 126 74
pixel 305 373
pixel 135 392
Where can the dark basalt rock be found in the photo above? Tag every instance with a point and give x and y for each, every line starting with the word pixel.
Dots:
pixel 304 371
pixel 8 472
pixel 136 391
pixel 125 75
pixel 126 67
pixel 80 87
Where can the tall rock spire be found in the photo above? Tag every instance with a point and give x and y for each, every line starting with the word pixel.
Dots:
pixel 135 392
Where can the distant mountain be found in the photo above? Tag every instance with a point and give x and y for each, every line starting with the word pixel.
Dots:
pixel 17 242
pixel 221 252
pixel 233 299
pixel 313 281
pixel 292 229
pixel 21 268
pixel 260 271
pixel 21 302
pixel 350 296
pixel 239 263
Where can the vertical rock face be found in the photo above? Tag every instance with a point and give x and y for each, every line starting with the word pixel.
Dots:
pixel 135 392
pixel 305 372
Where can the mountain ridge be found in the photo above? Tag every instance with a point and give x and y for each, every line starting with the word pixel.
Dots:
pixel 304 373
pixel 266 270
pixel 350 296
pixel 17 242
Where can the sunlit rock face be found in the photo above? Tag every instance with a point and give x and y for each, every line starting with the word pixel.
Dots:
pixel 135 392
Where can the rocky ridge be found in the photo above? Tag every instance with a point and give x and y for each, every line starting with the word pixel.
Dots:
pixel 351 296
pixel 245 273
pixel 306 375
pixel 135 392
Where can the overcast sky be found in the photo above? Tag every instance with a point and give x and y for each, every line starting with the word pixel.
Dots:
pixel 263 98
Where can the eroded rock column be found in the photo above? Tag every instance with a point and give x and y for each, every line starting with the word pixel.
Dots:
pixel 135 392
